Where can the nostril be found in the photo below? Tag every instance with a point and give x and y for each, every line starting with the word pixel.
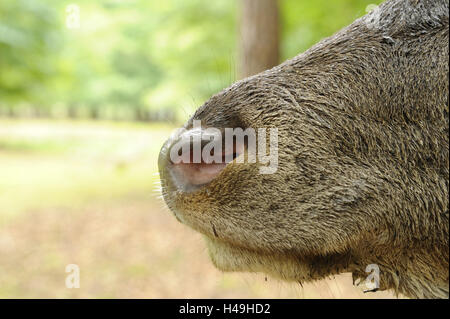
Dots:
pixel 197 164
pixel 186 173
pixel 196 174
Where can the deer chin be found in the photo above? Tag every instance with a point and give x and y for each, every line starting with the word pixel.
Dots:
pixel 232 258
pixel 291 267
pixel 227 257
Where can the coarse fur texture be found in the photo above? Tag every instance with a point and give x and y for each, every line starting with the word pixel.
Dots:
pixel 363 171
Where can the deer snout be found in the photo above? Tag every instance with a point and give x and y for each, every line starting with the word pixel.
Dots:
pixel 196 157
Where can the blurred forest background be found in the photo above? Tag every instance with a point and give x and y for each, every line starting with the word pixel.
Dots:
pixel 138 60
pixel 84 110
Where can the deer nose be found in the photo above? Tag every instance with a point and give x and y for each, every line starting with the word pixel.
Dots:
pixel 195 157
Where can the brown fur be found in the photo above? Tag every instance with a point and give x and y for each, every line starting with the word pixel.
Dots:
pixel 363 171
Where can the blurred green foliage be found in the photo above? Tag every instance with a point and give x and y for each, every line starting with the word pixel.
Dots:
pixel 137 59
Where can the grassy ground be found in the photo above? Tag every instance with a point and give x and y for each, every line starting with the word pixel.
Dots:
pixel 83 193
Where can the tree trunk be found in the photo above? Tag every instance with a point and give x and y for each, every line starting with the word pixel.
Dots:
pixel 259 38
